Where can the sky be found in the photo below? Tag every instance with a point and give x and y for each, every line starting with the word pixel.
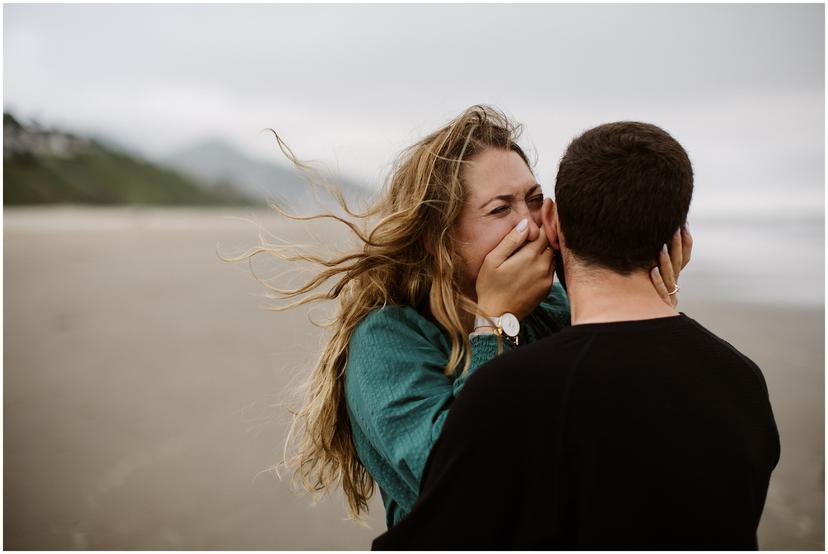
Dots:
pixel 741 86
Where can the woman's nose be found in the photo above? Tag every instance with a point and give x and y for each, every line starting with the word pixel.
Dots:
pixel 534 228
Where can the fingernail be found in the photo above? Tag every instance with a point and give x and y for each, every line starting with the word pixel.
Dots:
pixel 664 249
pixel 523 223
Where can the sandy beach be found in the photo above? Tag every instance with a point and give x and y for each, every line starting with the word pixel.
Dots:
pixel 145 389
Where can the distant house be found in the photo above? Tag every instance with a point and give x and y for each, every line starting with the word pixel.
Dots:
pixel 34 139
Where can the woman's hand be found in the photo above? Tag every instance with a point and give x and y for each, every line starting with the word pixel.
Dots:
pixel 515 275
pixel 665 275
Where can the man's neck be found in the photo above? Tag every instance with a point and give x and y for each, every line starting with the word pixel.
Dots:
pixel 602 296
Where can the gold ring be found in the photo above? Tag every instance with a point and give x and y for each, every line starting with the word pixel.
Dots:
pixel 675 291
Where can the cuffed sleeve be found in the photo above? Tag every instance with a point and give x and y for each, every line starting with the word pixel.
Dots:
pixel 397 396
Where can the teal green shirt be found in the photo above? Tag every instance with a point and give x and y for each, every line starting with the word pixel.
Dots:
pixel 398 397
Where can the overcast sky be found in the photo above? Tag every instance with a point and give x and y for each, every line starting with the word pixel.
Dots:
pixel 740 86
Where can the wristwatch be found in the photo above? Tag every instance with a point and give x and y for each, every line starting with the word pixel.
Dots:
pixel 506 324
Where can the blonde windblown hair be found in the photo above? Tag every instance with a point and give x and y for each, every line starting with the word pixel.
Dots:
pixel 407 258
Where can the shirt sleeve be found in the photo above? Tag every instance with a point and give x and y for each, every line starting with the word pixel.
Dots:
pixel 469 497
pixel 397 393
pixel 484 348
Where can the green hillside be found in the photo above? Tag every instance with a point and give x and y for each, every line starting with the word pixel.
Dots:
pixel 93 174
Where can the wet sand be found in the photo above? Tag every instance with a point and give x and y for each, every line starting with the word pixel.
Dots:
pixel 144 389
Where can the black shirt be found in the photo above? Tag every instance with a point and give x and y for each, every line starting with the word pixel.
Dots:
pixel 636 435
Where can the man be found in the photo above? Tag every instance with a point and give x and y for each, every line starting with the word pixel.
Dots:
pixel 636 428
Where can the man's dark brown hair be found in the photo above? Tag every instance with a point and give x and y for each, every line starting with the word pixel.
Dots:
pixel 622 190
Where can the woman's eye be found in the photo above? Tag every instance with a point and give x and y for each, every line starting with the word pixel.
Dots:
pixel 499 210
pixel 536 199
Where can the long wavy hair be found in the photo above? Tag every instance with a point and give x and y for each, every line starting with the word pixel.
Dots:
pixel 407 257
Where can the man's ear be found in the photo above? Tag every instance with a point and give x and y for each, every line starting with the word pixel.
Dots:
pixel 549 217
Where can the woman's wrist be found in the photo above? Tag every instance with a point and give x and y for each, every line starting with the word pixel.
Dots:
pixel 483 326
pixel 490 309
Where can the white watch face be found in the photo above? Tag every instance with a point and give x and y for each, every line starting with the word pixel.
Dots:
pixel 510 324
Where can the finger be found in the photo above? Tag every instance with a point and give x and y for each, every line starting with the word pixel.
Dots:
pixel 665 267
pixel 540 243
pixel 509 244
pixel 537 253
pixel 547 259
pixel 658 283
pixel 534 248
pixel 686 245
pixel 676 253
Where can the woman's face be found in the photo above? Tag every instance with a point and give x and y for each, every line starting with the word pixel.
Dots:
pixel 500 191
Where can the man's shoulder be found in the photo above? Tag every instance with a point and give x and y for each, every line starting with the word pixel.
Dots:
pixel 509 393
pixel 726 348
pixel 535 356
pixel 533 368
pixel 604 346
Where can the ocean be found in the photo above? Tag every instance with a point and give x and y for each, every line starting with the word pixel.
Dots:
pixel 778 261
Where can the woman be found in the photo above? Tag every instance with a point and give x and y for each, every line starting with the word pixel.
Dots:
pixel 457 238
